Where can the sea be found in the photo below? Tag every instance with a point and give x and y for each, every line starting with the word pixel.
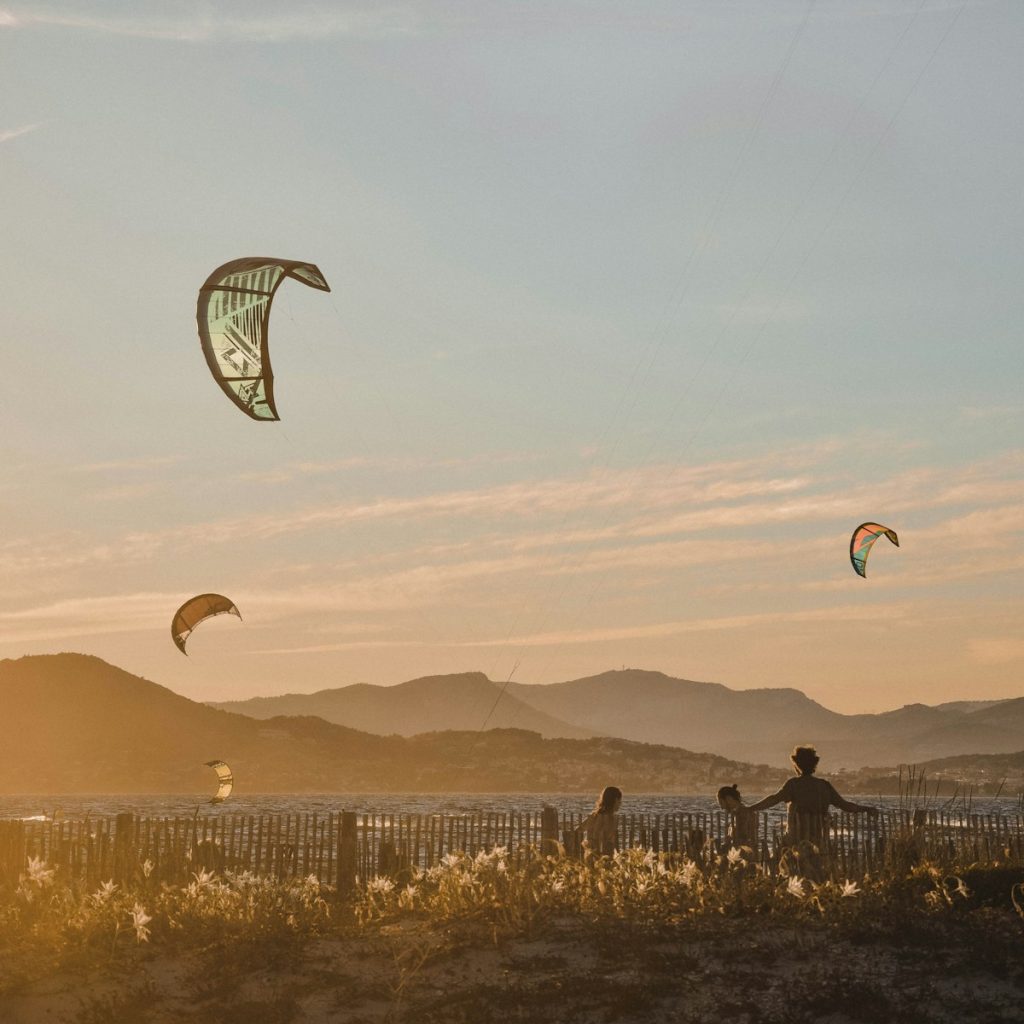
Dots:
pixel 36 807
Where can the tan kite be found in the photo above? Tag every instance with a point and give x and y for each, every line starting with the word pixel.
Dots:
pixel 195 610
pixel 225 781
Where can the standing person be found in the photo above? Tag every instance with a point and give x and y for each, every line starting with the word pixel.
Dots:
pixel 599 827
pixel 744 827
pixel 809 800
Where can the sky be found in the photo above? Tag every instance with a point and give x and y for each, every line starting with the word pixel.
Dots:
pixel 636 312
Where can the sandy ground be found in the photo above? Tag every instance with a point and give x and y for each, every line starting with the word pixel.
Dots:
pixel 573 972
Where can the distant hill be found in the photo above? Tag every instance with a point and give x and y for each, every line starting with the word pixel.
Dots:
pixel 763 725
pixel 75 724
pixel 760 725
pixel 962 777
pixel 656 708
pixel 432 703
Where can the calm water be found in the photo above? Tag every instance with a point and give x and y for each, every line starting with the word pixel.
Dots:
pixel 100 805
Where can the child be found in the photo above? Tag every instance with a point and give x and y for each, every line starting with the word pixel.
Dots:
pixel 599 827
pixel 744 827
pixel 809 800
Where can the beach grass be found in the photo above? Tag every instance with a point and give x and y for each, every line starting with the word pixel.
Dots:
pixel 639 936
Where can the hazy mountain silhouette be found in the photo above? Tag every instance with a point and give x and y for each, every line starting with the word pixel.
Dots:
pixel 75 724
pixel 656 708
pixel 760 725
pixel 429 704
pixel 763 725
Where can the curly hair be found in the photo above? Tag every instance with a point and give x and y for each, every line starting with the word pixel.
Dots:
pixel 805 758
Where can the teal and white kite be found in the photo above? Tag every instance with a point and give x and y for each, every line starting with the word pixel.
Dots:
pixel 233 314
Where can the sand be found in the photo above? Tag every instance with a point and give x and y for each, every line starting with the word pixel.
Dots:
pixel 738 971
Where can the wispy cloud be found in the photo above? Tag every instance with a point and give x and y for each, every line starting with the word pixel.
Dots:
pixel 611 517
pixel 297 470
pixel 852 613
pixel 996 650
pixel 652 487
pixel 849 613
pixel 349 645
pixel 990 412
pixel 88 616
pixel 128 492
pixel 15 133
pixel 194 23
pixel 129 465
pixel 71 550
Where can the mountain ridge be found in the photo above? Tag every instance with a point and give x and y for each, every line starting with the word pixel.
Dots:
pixel 759 725
pixel 75 724
pixel 462 700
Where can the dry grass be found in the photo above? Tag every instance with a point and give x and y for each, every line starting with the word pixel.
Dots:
pixel 638 937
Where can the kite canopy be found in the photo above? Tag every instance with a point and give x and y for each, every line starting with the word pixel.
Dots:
pixel 195 610
pixel 233 314
pixel 862 540
pixel 225 781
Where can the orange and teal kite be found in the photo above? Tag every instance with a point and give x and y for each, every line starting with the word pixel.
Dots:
pixel 861 542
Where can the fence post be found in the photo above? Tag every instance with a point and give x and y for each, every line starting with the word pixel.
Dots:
pixel 347 853
pixel 124 831
pixel 549 830
pixel 12 850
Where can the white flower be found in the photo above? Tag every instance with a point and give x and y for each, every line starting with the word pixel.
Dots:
pixel 203 878
pixel 850 888
pixel 557 885
pixel 795 886
pixel 104 892
pixel 689 873
pixel 735 855
pixel 139 921
pixel 642 886
pixel 147 867
pixel 407 897
pixel 380 884
pixel 38 872
pixel 450 860
pixel 501 867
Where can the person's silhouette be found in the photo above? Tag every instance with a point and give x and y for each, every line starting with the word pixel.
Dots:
pixel 809 800
pixel 599 827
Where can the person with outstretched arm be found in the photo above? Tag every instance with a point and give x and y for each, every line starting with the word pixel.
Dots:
pixel 809 799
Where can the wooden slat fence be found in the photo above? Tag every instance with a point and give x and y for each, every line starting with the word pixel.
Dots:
pixel 345 849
